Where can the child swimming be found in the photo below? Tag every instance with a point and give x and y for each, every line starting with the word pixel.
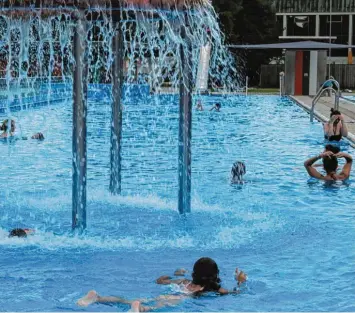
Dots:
pixel 205 278
pixel 237 172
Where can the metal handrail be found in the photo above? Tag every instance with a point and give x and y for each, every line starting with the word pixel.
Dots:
pixel 320 93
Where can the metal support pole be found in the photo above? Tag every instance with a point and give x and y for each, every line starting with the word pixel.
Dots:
pixel 185 121
pixel 330 34
pixel 79 126
pixel 116 113
pixel 350 39
pixel 246 85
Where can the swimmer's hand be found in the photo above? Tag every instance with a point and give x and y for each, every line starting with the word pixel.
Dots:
pixel 163 280
pixel 180 272
pixel 240 276
pixel 326 154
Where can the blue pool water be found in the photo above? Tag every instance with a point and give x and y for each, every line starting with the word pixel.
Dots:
pixel 292 235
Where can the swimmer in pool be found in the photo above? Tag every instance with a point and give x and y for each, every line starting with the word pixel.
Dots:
pixel 21 232
pixel 331 148
pixel 199 106
pixel 330 165
pixel 38 136
pixel 6 131
pixel 205 278
pixel 216 107
pixel 238 171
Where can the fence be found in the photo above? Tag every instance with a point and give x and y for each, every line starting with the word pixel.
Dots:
pixel 270 75
pixel 343 73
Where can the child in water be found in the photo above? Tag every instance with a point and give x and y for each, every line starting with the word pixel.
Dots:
pixel 216 107
pixel 205 278
pixel 21 232
pixel 238 171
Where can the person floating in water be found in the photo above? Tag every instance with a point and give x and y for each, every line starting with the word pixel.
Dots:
pixel 330 165
pixel 11 132
pixel 205 278
pixel 199 106
pixel 238 171
pixel 335 128
pixel 21 232
pixel 216 107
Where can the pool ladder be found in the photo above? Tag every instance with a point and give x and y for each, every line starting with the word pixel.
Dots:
pixel 320 93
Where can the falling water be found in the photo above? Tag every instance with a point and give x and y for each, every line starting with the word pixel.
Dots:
pixel 38 58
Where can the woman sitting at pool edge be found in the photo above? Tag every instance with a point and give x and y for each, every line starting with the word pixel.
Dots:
pixel 336 128
pixel 205 278
pixel 330 165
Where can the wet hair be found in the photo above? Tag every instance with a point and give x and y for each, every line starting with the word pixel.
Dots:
pixel 18 232
pixel 330 164
pixel 238 170
pixel 206 274
pixel 332 148
pixel 334 112
pixel 4 127
pixel 218 105
pixel 38 136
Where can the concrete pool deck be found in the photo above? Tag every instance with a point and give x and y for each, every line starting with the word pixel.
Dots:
pixel 322 111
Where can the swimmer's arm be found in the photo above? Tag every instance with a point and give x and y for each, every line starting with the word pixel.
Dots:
pixel 167 280
pixel 345 173
pixel 310 169
pixel 224 292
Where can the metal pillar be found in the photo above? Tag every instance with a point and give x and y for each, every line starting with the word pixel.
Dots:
pixel 350 39
pixel 284 25
pixel 79 126
pixel 317 25
pixel 185 121
pixel 116 113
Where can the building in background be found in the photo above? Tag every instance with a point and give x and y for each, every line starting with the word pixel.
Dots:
pixel 320 20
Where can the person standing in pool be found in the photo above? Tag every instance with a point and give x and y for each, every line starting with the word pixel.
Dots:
pixel 216 107
pixel 6 130
pixel 199 106
pixel 330 165
pixel 335 128
pixel 205 278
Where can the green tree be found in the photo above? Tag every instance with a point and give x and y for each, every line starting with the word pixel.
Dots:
pixel 249 22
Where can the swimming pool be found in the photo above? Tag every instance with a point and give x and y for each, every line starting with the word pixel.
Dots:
pixel 292 235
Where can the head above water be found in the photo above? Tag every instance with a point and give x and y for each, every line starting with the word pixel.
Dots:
pixel 18 232
pixel 206 274
pixel 332 148
pixel 238 170
pixel 334 112
pixel 330 164
pixel 4 126
pixel 218 105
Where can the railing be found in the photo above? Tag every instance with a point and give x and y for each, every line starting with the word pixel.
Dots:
pixel 320 93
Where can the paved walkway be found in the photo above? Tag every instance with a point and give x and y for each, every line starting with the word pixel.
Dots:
pixel 322 111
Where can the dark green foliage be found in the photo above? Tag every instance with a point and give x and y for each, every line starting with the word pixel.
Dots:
pixel 249 22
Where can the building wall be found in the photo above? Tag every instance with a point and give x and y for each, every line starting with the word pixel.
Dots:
pixel 316 6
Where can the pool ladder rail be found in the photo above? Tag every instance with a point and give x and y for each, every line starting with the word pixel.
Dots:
pixel 320 93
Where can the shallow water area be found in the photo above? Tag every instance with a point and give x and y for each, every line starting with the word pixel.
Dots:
pixel 292 235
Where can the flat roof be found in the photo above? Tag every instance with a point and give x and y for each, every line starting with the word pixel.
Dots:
pixel 298 45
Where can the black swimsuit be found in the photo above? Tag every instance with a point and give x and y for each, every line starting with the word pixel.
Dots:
pixel 334 137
